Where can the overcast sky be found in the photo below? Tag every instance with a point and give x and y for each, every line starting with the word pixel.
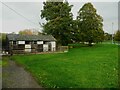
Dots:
pixel 12 22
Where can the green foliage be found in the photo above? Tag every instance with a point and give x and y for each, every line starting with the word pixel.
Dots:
pixel 53 10
pixel 87 28
pixel 90 24
pixel 77 45
pixel 107 36
pixel 117 36
pixel 59 20
pixel 75 32
pixel 3 39
pixel 28 32
pixel 84 67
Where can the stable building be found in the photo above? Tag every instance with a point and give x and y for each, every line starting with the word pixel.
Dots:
pixel 17 43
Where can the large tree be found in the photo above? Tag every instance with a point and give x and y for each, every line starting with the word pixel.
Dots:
pixel 3 40
pixel 90 24
pixel 107 36
pixel 29 32
pixel 117 36
pixel 59 20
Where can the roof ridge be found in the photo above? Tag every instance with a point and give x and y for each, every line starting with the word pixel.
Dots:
pixel 30 37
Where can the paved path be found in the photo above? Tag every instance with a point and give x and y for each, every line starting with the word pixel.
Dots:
pixel 16 77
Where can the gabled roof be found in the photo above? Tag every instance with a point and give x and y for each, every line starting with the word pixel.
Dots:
pixel 18 37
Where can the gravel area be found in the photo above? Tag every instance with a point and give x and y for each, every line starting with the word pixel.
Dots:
pixel 14 76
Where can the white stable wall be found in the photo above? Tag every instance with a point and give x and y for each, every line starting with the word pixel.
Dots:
pixel 53 46
pixel 27 46
pixel 21 42
pixel 45 47
pixel 39 42
pixel 27 50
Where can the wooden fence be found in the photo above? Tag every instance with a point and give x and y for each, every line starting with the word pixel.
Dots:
pixel 35 51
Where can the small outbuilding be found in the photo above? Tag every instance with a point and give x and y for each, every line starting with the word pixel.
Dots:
pixel 17 43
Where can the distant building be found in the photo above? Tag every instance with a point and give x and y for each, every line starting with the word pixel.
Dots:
pixel 17 43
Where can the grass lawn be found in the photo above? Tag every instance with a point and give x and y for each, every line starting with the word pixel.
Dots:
pixel 83 67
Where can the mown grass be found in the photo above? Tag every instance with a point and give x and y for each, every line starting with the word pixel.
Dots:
pixel 83 67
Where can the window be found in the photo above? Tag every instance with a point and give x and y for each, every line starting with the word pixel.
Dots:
pixel 21 46
pixel 44 42
pixel 27 42
pixel 35 42
pixel 14 42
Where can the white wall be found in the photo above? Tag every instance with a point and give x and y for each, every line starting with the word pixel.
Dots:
pixel 39 42
pixel 45 47
pixel 21 42
pixel 27 50
pixel 27 46
pixel 53 46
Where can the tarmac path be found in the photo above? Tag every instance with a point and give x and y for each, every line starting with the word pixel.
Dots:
pixel 14 76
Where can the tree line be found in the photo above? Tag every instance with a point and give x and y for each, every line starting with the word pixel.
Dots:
pixel 88 26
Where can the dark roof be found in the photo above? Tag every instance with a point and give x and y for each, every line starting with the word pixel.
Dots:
pixel 16 37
